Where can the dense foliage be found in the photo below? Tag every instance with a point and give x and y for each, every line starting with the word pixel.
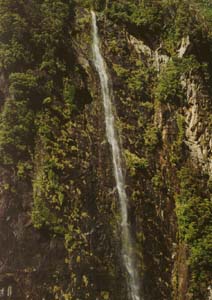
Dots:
pixel 53 147
pixel 194 217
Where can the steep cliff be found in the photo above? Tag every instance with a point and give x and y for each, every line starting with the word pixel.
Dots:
pixel 60 233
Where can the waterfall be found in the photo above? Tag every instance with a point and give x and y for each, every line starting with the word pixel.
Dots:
pixel 112 136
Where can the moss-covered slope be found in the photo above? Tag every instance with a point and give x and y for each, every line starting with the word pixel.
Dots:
pixel 59 211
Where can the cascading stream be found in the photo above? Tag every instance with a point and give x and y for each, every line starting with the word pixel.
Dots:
pixel 127 242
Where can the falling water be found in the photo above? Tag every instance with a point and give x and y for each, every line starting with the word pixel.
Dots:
pixel 127 242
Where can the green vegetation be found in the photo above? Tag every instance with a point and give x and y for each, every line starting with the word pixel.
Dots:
pixel 23 86
pixel 204 7
pixel 16 130
pixel 133 162
pixel 144 15
pixel 52 145
pixel 177 150
pixel 169 87
pixel 151 137
pixel 166 22
pixel 138 78
pixel 195 227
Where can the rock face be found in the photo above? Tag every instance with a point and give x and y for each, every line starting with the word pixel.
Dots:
pixel 59 211
pixel 198 133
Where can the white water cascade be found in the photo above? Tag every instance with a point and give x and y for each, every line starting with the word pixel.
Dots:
pixel 127 242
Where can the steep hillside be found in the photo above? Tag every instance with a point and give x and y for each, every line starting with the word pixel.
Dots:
pixel 60 223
